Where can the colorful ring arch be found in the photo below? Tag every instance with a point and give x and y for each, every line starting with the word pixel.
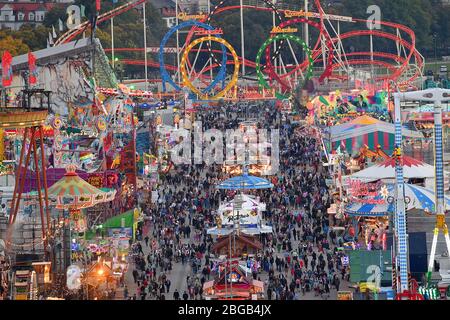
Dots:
pixel 165 75
pixel 262 81
pixel 189 84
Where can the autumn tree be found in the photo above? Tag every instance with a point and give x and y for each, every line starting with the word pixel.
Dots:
pixel 15 46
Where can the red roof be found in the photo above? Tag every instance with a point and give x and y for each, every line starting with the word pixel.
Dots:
pixel 407 161
pixel 168 12
pixel 26 8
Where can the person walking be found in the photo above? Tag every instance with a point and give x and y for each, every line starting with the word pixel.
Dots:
pixel 146 240
pixel 135 275
pixel 176 295
pixel 185 296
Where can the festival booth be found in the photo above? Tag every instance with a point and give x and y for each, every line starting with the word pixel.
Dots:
pixel 242 245
pixel 232 284
pixel 362 131
pixel 100 280
pixel 370 204
pixel 412 169
pixel 125 224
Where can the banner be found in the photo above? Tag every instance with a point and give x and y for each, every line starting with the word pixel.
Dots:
pixel 7 74
pixel 32 68
pixel 127 163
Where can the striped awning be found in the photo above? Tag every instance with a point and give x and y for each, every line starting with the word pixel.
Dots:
pixel 72 192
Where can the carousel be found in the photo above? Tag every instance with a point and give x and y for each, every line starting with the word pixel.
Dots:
pixel 73 194
pixel 248 216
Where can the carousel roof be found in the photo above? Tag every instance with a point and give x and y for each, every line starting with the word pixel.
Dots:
pixel 73 192
pixel 245 181
pixel 365 125
pixel 224 242
pixel 412 168
pixel 416 197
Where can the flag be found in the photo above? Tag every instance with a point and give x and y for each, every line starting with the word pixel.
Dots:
pixel 7 74
pixel 54 32
pixel 61 25
pixel 97 5
pixel 50 39
pixel 32 68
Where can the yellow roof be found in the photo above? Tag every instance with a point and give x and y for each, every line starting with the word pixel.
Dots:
pixel 364 120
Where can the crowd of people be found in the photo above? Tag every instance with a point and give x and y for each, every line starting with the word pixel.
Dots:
pixel 297 258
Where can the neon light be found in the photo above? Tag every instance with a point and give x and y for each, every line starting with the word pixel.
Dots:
pixel 184 16
pixel 283 30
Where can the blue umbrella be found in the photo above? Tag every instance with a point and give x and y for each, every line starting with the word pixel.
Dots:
pixel 245 181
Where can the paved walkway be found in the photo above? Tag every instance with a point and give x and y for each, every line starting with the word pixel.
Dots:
pixel 179 273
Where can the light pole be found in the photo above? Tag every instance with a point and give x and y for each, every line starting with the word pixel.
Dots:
pixel 435 51
pixel 242 40
pixel 112 38
pixel 145 47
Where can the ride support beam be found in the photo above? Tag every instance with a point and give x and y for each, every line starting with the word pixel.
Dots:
pixel 22 182
pixel 38 178
pixel 17 182
pixel 44 175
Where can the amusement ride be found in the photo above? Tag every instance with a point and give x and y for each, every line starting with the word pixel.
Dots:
pixel 224 75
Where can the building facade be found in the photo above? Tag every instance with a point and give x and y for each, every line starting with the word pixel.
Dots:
pixel 14 14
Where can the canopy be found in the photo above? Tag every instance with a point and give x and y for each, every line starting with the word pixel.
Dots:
pixel 412 168
pixel 72 192
pixel 369 210
pixel 365 131
pixel 416 197
pixel 245 181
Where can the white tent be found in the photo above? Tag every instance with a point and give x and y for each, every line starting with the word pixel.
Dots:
pixel 412 168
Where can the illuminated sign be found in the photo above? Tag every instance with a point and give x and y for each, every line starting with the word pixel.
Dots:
pixel 203 32
pixel 301 13
pixel 283 30
pixel 184 16
pixel 365 192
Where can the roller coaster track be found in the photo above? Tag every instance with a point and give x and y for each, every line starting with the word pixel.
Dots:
pixel 71 34
pixel 412 71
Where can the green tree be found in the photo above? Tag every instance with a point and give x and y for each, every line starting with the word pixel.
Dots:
pixel 15 46
pixel 54 15
pixel 34 37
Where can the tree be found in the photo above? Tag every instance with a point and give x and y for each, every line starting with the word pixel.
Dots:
pixel 34 37
pixel 15 46
pixel 54 15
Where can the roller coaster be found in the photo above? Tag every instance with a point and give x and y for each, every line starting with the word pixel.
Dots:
pixel 328 51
